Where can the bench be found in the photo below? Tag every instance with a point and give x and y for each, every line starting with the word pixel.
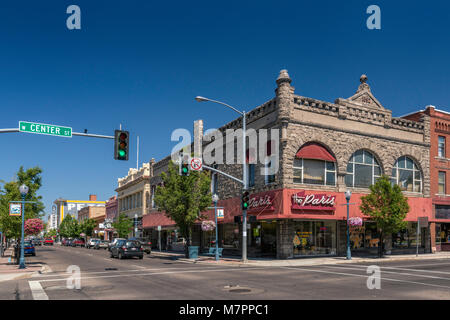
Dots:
pixel 212 252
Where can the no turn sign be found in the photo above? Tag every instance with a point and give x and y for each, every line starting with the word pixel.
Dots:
pixel 196 164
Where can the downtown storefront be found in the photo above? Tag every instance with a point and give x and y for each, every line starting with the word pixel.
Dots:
pixel 294 223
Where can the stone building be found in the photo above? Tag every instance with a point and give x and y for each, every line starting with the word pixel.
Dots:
pixel 324 149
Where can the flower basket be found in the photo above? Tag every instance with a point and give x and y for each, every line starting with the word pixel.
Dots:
pixel 355 222
pixel 208 225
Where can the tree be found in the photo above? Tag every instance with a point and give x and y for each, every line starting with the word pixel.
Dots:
pixel 182 198
pixel 123 225
pixel 12 225
pixel 87 226
pixel 51 234
pixel 387 206
pixel 33 227
pixel 69 227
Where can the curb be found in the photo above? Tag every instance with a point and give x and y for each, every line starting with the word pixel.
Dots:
pixel 307 262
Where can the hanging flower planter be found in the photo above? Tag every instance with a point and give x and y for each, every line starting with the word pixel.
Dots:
pixel 208 225
pixel 355 222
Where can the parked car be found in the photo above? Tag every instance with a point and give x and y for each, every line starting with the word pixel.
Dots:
pixel 48 242
pixel 78 242
pixel 28 248
pixel 65 242
pixel 102 244
pixel 114 242
pixel 127 248
pixel 37 242
pixel 92 242
pixel 146 244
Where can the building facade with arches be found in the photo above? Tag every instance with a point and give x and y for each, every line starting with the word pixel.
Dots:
pixel 323 149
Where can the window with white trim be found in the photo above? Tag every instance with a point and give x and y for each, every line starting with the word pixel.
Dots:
pixel 363 170
pixel 407 175
pixel 311 171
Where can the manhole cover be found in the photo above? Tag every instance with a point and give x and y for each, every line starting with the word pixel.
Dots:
pixel 240 290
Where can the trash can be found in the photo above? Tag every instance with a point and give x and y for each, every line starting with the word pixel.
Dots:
pixel 193 252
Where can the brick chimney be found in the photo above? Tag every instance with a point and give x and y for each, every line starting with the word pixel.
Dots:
pixel 92 197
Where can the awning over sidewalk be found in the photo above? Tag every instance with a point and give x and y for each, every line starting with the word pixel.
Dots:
pixel 155 219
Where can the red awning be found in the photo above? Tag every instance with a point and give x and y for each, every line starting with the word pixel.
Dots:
pixel 315 151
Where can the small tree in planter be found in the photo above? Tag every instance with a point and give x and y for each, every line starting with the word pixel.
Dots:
pixel 182 198
pixel 387 206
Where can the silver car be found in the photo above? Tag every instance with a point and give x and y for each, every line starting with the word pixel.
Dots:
pixel 92 242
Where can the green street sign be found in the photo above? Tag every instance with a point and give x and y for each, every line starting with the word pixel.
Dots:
pixel 42 128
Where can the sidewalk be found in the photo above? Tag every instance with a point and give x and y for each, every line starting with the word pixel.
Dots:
pixel 10 271
pixel 312 261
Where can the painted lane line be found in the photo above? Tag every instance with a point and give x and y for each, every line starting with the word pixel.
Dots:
pixel 142 267
pixel 37 291
pixel 154 273
pixel 366 276
pixel 407 269
pixel 118 271
pixel 393 272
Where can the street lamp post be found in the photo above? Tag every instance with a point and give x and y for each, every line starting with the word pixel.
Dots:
pixel 215 198
pixel 135 224
pixel 23 191
pixel 348 194
pixel 244 171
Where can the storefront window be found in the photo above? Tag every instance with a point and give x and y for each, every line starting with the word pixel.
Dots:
pixel 444 233
pixel 314 238
pixel 231 236
pixel 405 238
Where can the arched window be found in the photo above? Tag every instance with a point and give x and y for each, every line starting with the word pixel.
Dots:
pixel 407 175
pixel 313 164
pixel 362 170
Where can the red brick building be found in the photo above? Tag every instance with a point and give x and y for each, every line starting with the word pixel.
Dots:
pixel 439 174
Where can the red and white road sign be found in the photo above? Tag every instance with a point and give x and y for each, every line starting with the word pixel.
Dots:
pixel 196 164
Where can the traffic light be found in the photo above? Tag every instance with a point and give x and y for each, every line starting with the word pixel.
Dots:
pixel 121 144
pixel 245 200
pixel 184 166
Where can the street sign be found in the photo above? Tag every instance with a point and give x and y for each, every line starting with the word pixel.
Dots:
pixel 423 222
pixel 159 228
pixel 42 128
pixel 220 214
pixel 196 164
pixel 15 209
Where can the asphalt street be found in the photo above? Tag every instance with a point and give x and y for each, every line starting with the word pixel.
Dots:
pixel 156 277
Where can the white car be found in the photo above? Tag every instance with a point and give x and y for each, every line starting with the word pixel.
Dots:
pixel 91 243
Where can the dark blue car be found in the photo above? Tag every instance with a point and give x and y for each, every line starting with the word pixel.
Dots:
pixel 28 248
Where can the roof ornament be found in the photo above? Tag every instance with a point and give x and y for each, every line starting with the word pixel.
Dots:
pixel 363 85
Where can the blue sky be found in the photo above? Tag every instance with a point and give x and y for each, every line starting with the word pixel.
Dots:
pixel 141 63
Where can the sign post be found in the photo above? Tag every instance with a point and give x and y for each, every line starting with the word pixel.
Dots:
pixel 159 238
pixel 48 129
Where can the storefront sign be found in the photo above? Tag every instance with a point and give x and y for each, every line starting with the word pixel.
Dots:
pixel 302 201
pixel 261 202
